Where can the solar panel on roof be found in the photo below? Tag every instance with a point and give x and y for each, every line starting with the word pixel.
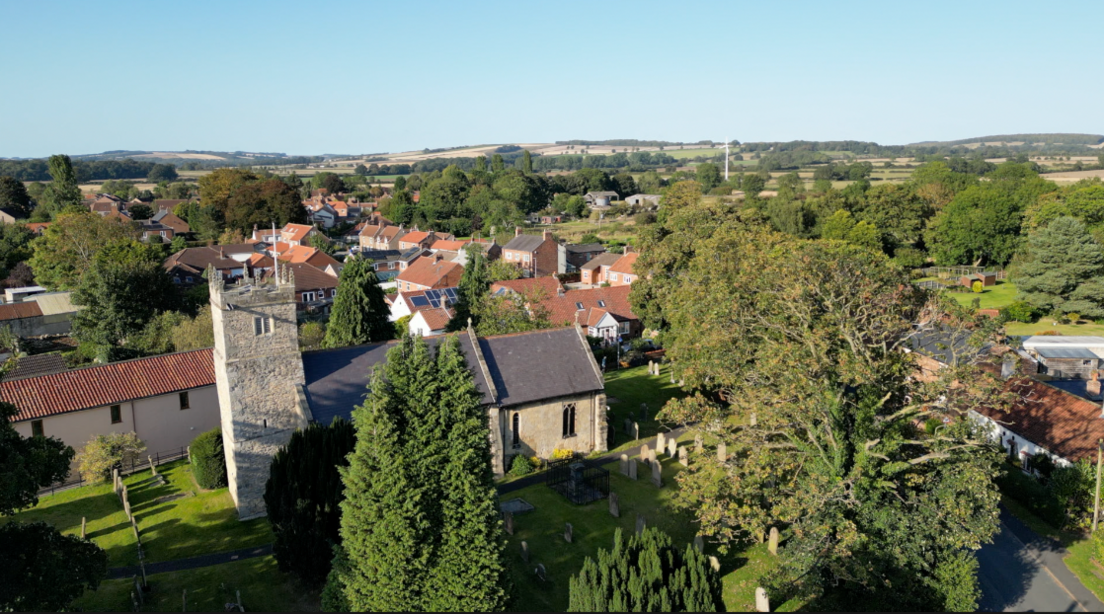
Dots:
pixel 419 301
pixel 451 293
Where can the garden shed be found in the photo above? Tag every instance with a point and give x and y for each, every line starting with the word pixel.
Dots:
pixel 986 279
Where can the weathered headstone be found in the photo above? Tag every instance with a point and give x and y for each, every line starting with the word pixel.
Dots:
pixel 134 525
pixel 153 468
pixel 762 602
pixel 84 527
pixel 126 508
pixel 632 468
pixel 628 426
pixel 754 419
pixel 568 532
pixel 672 448
pixel 508 522
pixel 115 479
pixel 624 466
pixel 651 368
pixel 644 450
pixel 614 508
pixel 772 544
pixel 657 475
pixel 635 431
pixel 699 543
pixel 715 563
pixel 525 552
pixel 661 443
pixel 722 452
pixel 652 460
pixel 641 524
pixel 542 573
pixel 699 444
pixel 684 458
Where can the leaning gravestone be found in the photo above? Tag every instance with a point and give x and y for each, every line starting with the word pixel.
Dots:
pixel 568 532
pixel 772 545
pixel 542 573
pixel 672 448
pixel 628 426
pixel 635 431
pixel 614 508
pixel 661 443
pixel 699 543
pixel 722 452
pixel 699 444
pixel 641 524
pixel 525 552
pixel 508 522
pixel 762 603
pixel 652 460
pixel 624 466
pixel 657 475
pixel 84 527
pixel 632 468
pixel 684 458
pixel 644 450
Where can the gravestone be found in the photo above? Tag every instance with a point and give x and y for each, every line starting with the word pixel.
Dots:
pixel 508 522
pixel 153 468
pixel 115 479
pixel 624 466
pixel 643 411
pixel 84 527
pixel 684 458
pixel 134 525
pixel 568 532
pixel 525 552
pixel 762 602
pixel 542 573
pixel 628 426
pixel 651 368
pixel 754 419
pixel 699 543
pixel 661 443
pixel 699 444
pixel 614 508
pixel 722 452
pixel 635 432
pixel 641 524
pixel 126 508
pixel 652 460
pixel 632 468
pixel 672 448
pixel 644 450
pixel 715 563
pixel 772 545
pixel 657 475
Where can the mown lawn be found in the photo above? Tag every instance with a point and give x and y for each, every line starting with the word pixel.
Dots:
pixel 631 387
pixel 1045 325
pixel 993 297
pixel 263 588
pixel 177 520
pixel 594 529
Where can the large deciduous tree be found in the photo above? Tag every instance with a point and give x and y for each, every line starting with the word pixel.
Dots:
pixel 1062 269
pixel 262 203
pixel 303 498
pixel 646 573
pixel 63 191
pixel 13 196
pixel 360 314
pixel 805 346
pixel 64 252
pixel 420 523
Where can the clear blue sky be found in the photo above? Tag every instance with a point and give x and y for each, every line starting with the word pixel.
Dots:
pixel 360 77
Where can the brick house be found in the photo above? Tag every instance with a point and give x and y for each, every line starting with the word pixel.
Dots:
pixel 580 254
pixel 166 218
pixel 381 236
pixel 152 229
pixel 604 312
pixel 418 238
pixel 594 272
pixel 535 255
pixel 621 273
pixel 298 234
pixel 186 266
pixel 429 273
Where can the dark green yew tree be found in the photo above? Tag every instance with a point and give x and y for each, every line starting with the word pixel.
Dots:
pixel 360 313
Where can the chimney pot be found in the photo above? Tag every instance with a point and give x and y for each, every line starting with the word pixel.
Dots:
pixel 1093 385
pixel 517 231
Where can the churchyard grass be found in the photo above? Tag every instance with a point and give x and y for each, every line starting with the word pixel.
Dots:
pixel 630 388
pixel 543 528
pixel 263 588
pixel 177 520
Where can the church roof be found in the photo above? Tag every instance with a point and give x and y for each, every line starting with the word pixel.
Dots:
pixel 523 368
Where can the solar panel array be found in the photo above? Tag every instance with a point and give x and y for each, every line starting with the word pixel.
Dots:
pixel 435 297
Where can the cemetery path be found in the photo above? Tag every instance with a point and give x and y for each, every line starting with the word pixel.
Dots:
pixel 195 562
pixel 538 478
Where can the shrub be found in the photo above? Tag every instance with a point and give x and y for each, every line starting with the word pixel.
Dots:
pixel 1033 495
pixel 106 452
pixel 1042 463
pixel 559 454
pixel 520 466
pixel 1019 311
pixel 209 460
pixel 977 286
pixel 909 257
pixel 311 335
pixel 1073 318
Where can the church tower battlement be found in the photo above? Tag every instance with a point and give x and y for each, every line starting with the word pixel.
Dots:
pixel 258 372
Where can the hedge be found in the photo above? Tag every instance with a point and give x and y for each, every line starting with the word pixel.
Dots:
pixel 209 460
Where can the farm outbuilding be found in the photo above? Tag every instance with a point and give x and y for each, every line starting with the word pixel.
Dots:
pixel 986 279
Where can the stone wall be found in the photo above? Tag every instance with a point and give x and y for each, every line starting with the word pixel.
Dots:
pixel 541 426
pixel 256 376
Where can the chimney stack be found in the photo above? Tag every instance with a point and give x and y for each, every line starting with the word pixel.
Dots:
pixel 547 235
pixel 517 231
pixel 1093 385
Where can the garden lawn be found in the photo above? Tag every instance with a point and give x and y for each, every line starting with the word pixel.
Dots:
pixel 993 297
pixel 263 588
pixel 108 526
pixel 630 388
pixel 1046 325
pixel 543 529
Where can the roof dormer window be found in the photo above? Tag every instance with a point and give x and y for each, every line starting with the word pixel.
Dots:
pixel 601 303
pixel 579 306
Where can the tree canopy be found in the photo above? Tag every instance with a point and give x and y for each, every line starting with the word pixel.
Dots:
pixel 1062 270
pixel 360 314
pixel 64 252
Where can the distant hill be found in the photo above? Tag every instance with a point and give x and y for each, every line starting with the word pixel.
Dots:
pixel 183 156
pixel 1045 139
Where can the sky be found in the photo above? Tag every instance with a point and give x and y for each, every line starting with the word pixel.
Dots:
pixel 355 77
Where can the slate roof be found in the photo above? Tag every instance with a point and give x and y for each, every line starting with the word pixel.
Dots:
pixel 600 260
pixel 196 259
pixel 586 248
pixel 39 364
pixel 524 367
pixel 525 243
pixel 103 385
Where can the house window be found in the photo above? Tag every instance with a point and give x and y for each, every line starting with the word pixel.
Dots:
pixel 262 326
pixel 36 429
pixel 579 306
pixel 1086 363
pixel 509 255
pixel 116 414
pixel 569 420
pixel 525 257
pixel 601 303
pixel 623 327
pixel 333 293
pixel 308 297
pixel 162 233
pixel 613 276
pixel 189 279
pixel 185 403
pixel 517 430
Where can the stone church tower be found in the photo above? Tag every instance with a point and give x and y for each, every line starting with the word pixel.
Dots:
pixel 259 376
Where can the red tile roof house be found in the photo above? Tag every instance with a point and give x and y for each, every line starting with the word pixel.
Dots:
pixel 429 273
pixel 604 312
pixel 408 303
pixel 187 265
pixel 594 271
pixel 532 286
pixel 621 273
pixel 167 400
pixel 381 236
pixel 315 290
pixel 535 255
pixel 430 322
pixel 298 234
pixel 417 238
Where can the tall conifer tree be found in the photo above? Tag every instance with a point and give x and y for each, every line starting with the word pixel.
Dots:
pixel 474 285
pixel 360 313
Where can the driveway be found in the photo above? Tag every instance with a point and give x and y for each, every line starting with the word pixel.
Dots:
pixel 1023 572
